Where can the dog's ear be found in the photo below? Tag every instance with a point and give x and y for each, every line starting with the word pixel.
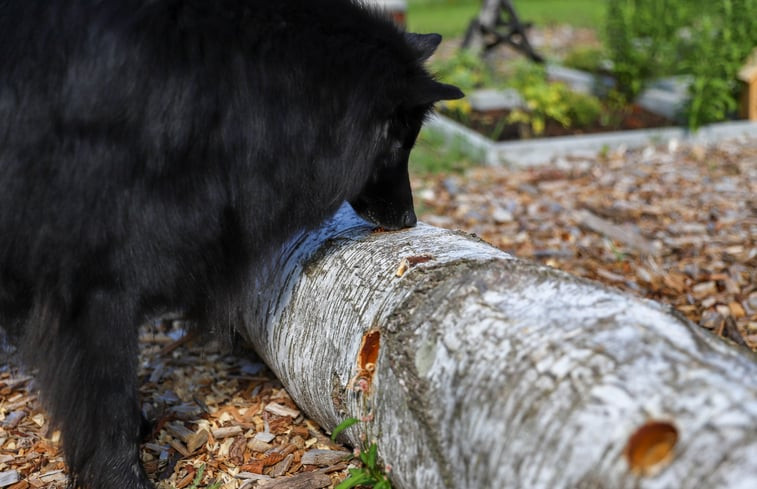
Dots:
pixel 424 45
pixel 431 91
pixel 426 90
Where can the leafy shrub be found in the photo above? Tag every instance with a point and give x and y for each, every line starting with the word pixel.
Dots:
pixel 649 39
pixel 551 101
pixel 726 37
pixel 584 109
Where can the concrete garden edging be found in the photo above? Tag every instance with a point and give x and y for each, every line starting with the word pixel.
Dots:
pixel 539 151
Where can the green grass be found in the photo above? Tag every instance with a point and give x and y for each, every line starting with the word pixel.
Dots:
pixel 450 18
pixel 578 13
pixel 433 153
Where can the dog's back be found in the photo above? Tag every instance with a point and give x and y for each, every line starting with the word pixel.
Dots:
pixel 139 137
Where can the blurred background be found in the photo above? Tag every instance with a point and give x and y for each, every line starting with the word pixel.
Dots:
pixel 608 65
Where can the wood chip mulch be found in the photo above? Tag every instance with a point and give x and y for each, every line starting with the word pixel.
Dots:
pixel 221 413
pixel 676 223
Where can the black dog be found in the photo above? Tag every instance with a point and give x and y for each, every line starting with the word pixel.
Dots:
pixel 152 152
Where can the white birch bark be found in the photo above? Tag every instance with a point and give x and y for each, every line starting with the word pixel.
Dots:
pixel 494 372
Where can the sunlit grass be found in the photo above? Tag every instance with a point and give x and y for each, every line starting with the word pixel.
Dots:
pixel 435 153
pixel 450 18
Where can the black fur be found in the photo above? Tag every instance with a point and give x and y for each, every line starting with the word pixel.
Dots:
pixel 152 152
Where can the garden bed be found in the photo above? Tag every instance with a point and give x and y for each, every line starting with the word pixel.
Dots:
pixel 494 125
pixel 540 151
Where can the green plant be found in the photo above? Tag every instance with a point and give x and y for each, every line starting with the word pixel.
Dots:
pixel 616 106
pixel 587 58
pixel 584 109
pixel 619 255
pixel 648 39
pixel 551 101
pixel 726 36
pixel 198 477
pixel 343 426
pixel 370 474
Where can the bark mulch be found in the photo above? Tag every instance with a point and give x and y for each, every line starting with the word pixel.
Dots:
pixel 676 224
pixel 222 415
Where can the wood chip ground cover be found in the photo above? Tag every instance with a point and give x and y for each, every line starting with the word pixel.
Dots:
pixel 675 223
pixel 211 408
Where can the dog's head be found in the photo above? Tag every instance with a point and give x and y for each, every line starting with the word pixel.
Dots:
pixel 386 199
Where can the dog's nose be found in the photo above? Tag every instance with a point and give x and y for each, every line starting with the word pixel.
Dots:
pixel 408 219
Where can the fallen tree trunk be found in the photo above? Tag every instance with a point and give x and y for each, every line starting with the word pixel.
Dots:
pixel 478 370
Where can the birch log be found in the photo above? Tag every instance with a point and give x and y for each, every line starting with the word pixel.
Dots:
pixel 478 370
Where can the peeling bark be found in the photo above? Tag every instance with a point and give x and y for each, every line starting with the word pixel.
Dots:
pixel 480 371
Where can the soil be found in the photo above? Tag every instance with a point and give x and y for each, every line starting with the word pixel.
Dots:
pixel 490 124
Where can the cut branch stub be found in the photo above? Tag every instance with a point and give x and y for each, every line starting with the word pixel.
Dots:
pixel 367 357
pixel 651 447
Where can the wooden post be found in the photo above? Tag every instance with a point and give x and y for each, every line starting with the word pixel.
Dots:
pixel 748 75
pixel 749 93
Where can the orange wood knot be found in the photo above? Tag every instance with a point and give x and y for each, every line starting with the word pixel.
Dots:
pixel 410 262
pixel 651 447
pixel 366 361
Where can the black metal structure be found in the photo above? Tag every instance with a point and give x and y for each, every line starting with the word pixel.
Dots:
pixel 502 26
